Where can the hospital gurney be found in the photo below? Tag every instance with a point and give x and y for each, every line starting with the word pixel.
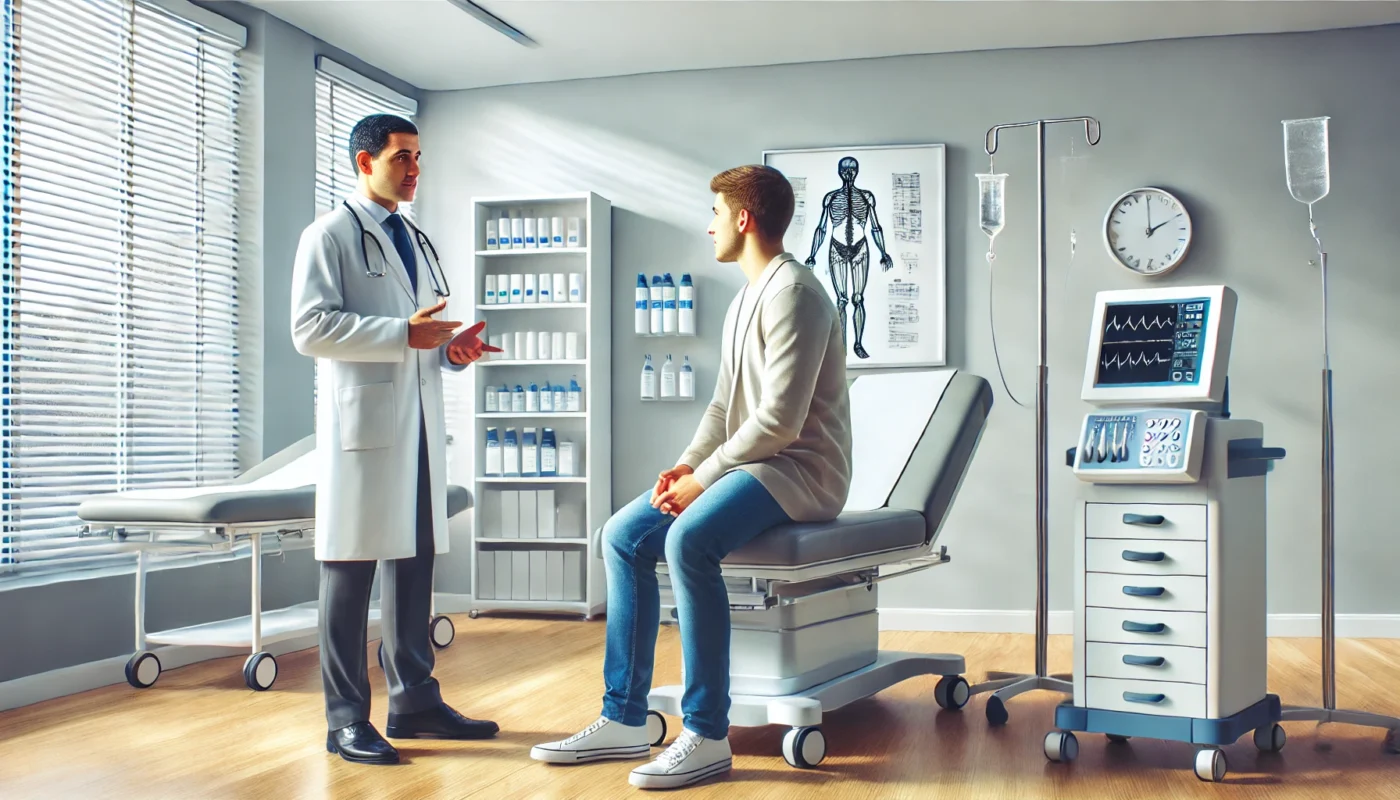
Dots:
pixel 274 500
pixel 804 624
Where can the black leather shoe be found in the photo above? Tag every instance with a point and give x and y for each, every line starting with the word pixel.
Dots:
pixel 361 743
pixel 439 723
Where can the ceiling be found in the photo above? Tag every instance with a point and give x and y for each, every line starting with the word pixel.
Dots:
pixel 435 45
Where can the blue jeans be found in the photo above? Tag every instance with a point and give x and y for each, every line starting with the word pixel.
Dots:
pixel 725 516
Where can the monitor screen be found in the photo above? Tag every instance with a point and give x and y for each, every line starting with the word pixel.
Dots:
pixel 1153 343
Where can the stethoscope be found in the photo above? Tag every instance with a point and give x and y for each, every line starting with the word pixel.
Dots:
pixel 425 246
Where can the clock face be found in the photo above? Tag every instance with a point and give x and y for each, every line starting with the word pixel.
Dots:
pixel 1148 231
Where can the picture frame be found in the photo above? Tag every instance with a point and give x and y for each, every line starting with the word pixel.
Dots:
pixel 890 281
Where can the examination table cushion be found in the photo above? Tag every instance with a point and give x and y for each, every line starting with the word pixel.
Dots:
pixel 226 505
pixel 928 481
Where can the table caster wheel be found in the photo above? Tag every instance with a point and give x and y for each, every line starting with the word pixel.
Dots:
pixel 1270 738
pixel 1210 765
pixel 260 671
pixel 442 631
pixel 473 613
pixel 996 711
pixel 804 748
pixel 656 728
pixel 142 670
pixel 1116 738
pixel 952 692
pixel 1061 746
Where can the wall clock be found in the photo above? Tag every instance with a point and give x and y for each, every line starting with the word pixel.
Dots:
pixel 1148 231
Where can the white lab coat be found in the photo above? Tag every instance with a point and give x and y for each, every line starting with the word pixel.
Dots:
pixel 373 390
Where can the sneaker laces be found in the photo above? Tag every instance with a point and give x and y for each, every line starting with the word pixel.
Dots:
pixel 684 745
pixel 591 729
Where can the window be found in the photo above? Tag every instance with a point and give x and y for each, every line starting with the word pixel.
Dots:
pixel 343 98
pixel 119 290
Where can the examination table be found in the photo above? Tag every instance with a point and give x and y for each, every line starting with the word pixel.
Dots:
pixel 274 501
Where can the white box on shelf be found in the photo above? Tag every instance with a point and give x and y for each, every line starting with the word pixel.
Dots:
pixel 573 575
pixel 485 575
pixel 503 571
pixel 520 575
pixel 529 515
pixel 510 514
pixel 544 504
pixel 539 574
pixel 554 568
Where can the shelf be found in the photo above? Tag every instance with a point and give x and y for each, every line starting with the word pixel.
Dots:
pixel 533 415
pixel 527 306
pixel 668 399
pixel 665 335
pixel 525 362
pixel 532 251
pixel 277 625
pixel 576 606
pixel 495 479
pixel 536 540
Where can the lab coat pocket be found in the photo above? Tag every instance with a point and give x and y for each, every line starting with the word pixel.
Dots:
pixel 367 419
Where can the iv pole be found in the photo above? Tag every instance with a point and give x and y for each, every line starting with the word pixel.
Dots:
pixel 1003 686
pixel 1329 711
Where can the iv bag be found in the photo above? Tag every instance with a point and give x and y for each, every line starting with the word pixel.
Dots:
pixel 991 190
pixel 1305 158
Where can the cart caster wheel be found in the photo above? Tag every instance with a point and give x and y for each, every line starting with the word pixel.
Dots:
pixel 1116 738
pixel 1270 738
pixel 952 692
pixel 996 711
pixel 260 671
pixel 1061 746
pixel 804 748
pixel 473 613
pixel 656 728
pixel 1210 765
pixel 142 670
pixel 443 632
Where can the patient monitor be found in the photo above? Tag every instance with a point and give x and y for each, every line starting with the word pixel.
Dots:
pixel 1169 535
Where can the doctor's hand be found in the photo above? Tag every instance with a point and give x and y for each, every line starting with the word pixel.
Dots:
pixel 678 498
pixel 468 347
pixel 426 333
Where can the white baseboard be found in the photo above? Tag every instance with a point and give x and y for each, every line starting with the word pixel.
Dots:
pixel 1349 626
pixel 447 603
pixel 96 674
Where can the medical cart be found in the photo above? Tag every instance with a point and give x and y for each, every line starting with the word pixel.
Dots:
pixel 1170 536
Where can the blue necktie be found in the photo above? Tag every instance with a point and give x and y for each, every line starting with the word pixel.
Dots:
pixel 405 247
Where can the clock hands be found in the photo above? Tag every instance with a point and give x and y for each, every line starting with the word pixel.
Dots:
pixel 1151 228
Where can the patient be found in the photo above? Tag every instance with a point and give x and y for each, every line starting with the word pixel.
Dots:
pixel 774 446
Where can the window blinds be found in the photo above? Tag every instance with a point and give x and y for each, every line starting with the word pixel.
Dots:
pixel 120 297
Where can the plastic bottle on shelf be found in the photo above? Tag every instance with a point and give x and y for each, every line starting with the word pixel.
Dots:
pixel 656 304
pixel 532 399
pixel 575 394
pixel 493 453
pixel 668 301
pixel 648 379
pixel 686 310
pixel 549 456
pixel 687 380
pixel 517 400
pixel 668 378
pixel 643 301
pixel 546 398
pixel 561 402
pixel 493 403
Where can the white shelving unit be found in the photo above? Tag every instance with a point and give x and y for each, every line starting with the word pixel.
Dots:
pixel 512 569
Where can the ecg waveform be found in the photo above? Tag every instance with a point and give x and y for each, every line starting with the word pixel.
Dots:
pixel 1141 323
pixel 1133 360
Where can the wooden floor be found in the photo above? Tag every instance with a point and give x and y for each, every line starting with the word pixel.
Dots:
pixel 199 733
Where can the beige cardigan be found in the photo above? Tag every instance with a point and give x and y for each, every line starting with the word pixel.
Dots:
pixel 782 414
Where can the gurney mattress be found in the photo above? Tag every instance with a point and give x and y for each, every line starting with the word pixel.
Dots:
pixel 224 505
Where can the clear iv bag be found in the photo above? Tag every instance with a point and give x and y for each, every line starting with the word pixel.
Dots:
pixel 1305 158
pixel 991 190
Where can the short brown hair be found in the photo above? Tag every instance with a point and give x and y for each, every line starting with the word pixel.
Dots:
pixel 764 191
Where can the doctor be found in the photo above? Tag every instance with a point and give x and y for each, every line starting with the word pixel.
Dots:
pixel 365 287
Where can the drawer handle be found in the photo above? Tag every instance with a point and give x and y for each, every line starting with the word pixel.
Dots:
pixel 1144 591
pixel 1133 555
pixel 1144 627
pixel 1143 519
pixel 1139 697
pixel 1144 661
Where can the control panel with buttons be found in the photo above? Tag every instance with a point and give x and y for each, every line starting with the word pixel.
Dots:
pixel 1156 445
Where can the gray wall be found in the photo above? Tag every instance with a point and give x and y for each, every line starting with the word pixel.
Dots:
pixel 62 624
pixel 1200 117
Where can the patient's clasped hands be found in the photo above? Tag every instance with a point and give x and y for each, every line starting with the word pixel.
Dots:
pixel 676 489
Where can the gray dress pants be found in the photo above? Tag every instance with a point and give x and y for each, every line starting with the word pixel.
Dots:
pixel 405 603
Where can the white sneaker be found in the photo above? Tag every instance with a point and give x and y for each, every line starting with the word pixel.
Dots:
pixel 690 759
pixel 603 740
